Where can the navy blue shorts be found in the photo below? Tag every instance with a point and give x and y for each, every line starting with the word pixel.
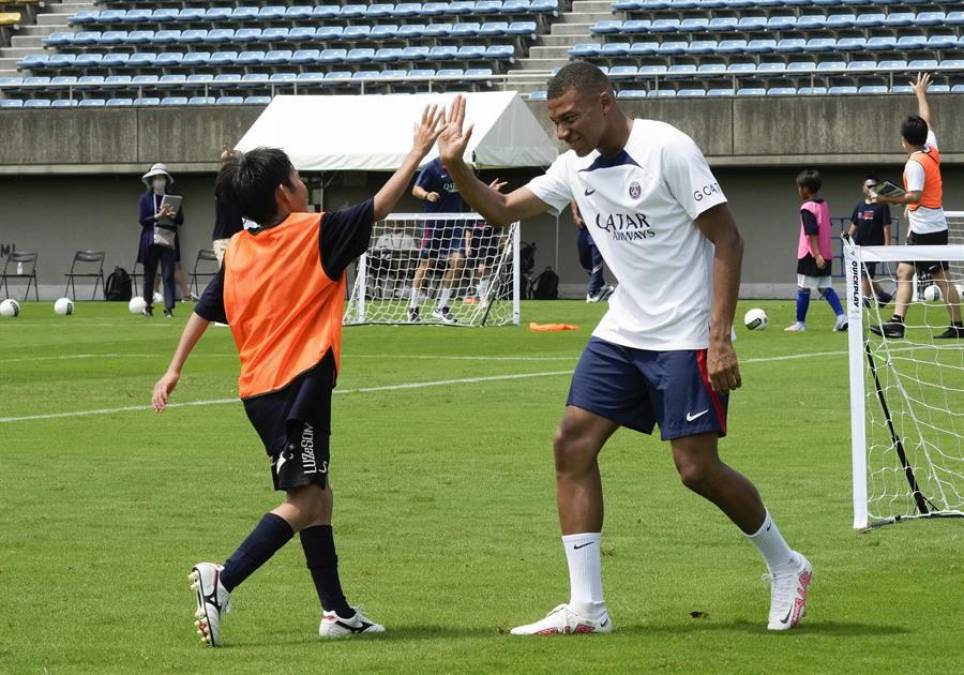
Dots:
pixel 441 239
pixel 638 388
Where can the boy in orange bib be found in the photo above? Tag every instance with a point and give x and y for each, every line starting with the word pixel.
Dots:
pixel 281 290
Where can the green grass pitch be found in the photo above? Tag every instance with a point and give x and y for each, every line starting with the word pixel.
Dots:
pixel 445 513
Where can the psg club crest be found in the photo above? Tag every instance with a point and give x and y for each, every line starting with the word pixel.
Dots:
pixel 634 190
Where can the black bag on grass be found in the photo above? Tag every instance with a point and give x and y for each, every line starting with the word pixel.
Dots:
pixel 119 286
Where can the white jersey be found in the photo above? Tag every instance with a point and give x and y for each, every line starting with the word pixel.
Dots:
pixel 639 207
pixel 923 220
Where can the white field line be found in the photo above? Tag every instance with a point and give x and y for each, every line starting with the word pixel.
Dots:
pixel 368 390
pixel 224 401
pixel 232 355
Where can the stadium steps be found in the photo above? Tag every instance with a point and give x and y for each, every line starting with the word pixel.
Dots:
pixel 53 17
pixel 552 51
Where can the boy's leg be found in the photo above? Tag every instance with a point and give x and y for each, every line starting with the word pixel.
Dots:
pixel 450 278
pixel 803 304
pixel 596 278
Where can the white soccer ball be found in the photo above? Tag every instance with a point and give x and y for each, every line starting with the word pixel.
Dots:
pixel 158 297
pixel 9 307
pixel 137 305
pixel 932 293
pixel 756 319
pixel 64 307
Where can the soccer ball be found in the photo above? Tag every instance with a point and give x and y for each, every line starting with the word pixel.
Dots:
pixel 137 305
pixel 158 297
pixel 64 307
pixel 932 293
pixel 9 307
pixel 756 319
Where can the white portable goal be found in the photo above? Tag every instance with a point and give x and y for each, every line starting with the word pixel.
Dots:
pixel 468 272
pixel 906 394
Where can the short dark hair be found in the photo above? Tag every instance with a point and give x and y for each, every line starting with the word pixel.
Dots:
pixel 811 180
pixel 914 130
pixel 585 77
pixel 871 178
pixel 249 181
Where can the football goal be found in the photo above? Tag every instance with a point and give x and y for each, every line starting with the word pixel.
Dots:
pixel 438 268
pixel 906 392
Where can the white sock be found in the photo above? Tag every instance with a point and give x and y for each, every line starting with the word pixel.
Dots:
pixel 443 298
pixel 771 544
pixel 585 573
pixel 413 303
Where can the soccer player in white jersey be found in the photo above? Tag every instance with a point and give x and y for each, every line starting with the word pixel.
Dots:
pixel 662 353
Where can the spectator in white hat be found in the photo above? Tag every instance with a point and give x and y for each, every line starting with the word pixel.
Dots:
pixel 155 245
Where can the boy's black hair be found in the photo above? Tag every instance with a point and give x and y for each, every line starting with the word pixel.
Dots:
pixel 579 75
pixel 914 130
pixel 810 179
pixel 249 181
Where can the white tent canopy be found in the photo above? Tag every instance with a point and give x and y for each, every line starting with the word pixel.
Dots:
pixel 374 132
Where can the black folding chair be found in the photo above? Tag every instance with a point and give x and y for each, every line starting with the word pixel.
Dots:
pixel 87 259
pixel 205 255
pixel 20 261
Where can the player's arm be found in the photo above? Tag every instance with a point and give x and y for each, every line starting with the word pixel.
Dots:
pixel 498 209
pixel 717 225
pixel 909 197
pixel 426 131
pixel 576 215
pixel 196 325
pixel 424 195
pixel 920 86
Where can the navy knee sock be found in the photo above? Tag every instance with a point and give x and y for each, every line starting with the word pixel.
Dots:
pixel 803 303
pixel 319 545
pixel 830 296
pixel 270 534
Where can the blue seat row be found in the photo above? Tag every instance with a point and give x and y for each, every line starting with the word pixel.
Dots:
pixel 760 91
pixel 766 46
pixel 678 5
pixel 304 34
pixel 145 101
pixel 201 80
pixel 805 22
pixel 780 69
pixel 279 57
pixel 300 12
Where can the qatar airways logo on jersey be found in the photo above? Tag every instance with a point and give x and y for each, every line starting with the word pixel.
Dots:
pixel 625 226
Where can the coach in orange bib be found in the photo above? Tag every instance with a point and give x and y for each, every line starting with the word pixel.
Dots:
pixel 282 292
pixel 927 224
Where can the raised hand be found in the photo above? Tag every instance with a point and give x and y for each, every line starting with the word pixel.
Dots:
pixel 921 84
pixel 454 140
pixel 428 129
pixel 497 184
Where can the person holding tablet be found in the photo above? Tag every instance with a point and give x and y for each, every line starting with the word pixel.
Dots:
pixel 160 216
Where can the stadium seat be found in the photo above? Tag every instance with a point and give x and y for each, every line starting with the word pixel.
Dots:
pixel 711 69
pixel 59 39
pixel 821 45
pixel 360 55
pixel 694 25
pixel 225 58
pixel 216 14
pixel 811 22
pixel 910 42
pixel 194 36
pixel 383 32
pixel 355 33
pixel 831 66
pixel 681 69
pixel 812 91
pixel 353 11
pixel 942 42
pixel 407 9
pixel 635 27
pixel 117 81
pixel 257 100
pixel 167 59
pixel 196 59
pixel 230 100
pixel 842 91
pixel 92 103
pixel 241 14
pixel 174 100
pixel 414 30
pixel 494 28
pixel 665 26
pixel 220 35
pixel 471 52
pixel 872 89
pixel 777 68
pixel 110 38
pixel 606 27
pixel 926 19
pixel 851 44
pixel 399 74
pixel 227 79
pixel 723 24
pixel 632 93
pixel 662 93
pixel 902 89
pixel 420 73
pixel 952 64
pixel 15 103
pixel 282 78
pixel 690 93
pixel 64 103
pixel 142 80
pixel 751 91
pixel 672 48
pixel 251 57
pixel 761 46
pixel 379 10
pixel 701 47
pixel 716 93
pixel 200 78
pixel 862 66
pixel 277 57
pixel 617 72
pixel 191 15
pixel 653 70
pixel 500 52
pixel 166 37
pixel 611 49
pixel 883 43
pixel 120 102
pixel 731 47
pixel 801 67
pixel 250 80
pixel 533 96
pixel 437 30
pixel 86 37
pixel 779 23
pixel 388 54
pixel 147 101
pixel 86 16
pixel 782 91
pixel 488 7
pixel 449 72
pixel 741 68
pixel 443 53
pixel 338 75
pixel 327 33
pixel 164 15
pixel 955 18
pixel 201 100
pixel 841 21
pixel 63 80
pixel 171 80
pixel 894 64
pixel 752 23
pixel 918 65
pixel 870 20
pixel 325 11
pixel 141 59
pixel 88 60
pixel 305 56
pixel 247 34
pixel 956 89
pixel 644 48
pixel 37 103
pixel 273 35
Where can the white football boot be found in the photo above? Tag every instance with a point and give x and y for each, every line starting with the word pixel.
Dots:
pixel 796 327
pixel 788 593
pixel 333 626
pixel 213 601
pixel 564 620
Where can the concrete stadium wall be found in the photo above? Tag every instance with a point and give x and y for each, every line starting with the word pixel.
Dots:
pixel 72 176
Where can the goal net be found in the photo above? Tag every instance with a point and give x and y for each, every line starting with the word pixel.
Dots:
pixel 438 268
pixel 906 389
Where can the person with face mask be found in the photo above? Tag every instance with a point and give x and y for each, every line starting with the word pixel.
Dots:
pixel 152 250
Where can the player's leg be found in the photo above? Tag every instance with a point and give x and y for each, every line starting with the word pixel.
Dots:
pixel 606 391
pixel 830 295
pixel 181 281
pixel 420 272
pixel 953 300
pixel 700 469
pixel 453 246
pixel 803 305
pixel 894 328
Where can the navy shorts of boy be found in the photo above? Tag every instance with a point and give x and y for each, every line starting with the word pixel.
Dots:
pixel 441 238
pixel 638 389
pixel 294 424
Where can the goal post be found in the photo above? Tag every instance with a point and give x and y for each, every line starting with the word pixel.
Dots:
pixel 437 268
pixel 906 393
